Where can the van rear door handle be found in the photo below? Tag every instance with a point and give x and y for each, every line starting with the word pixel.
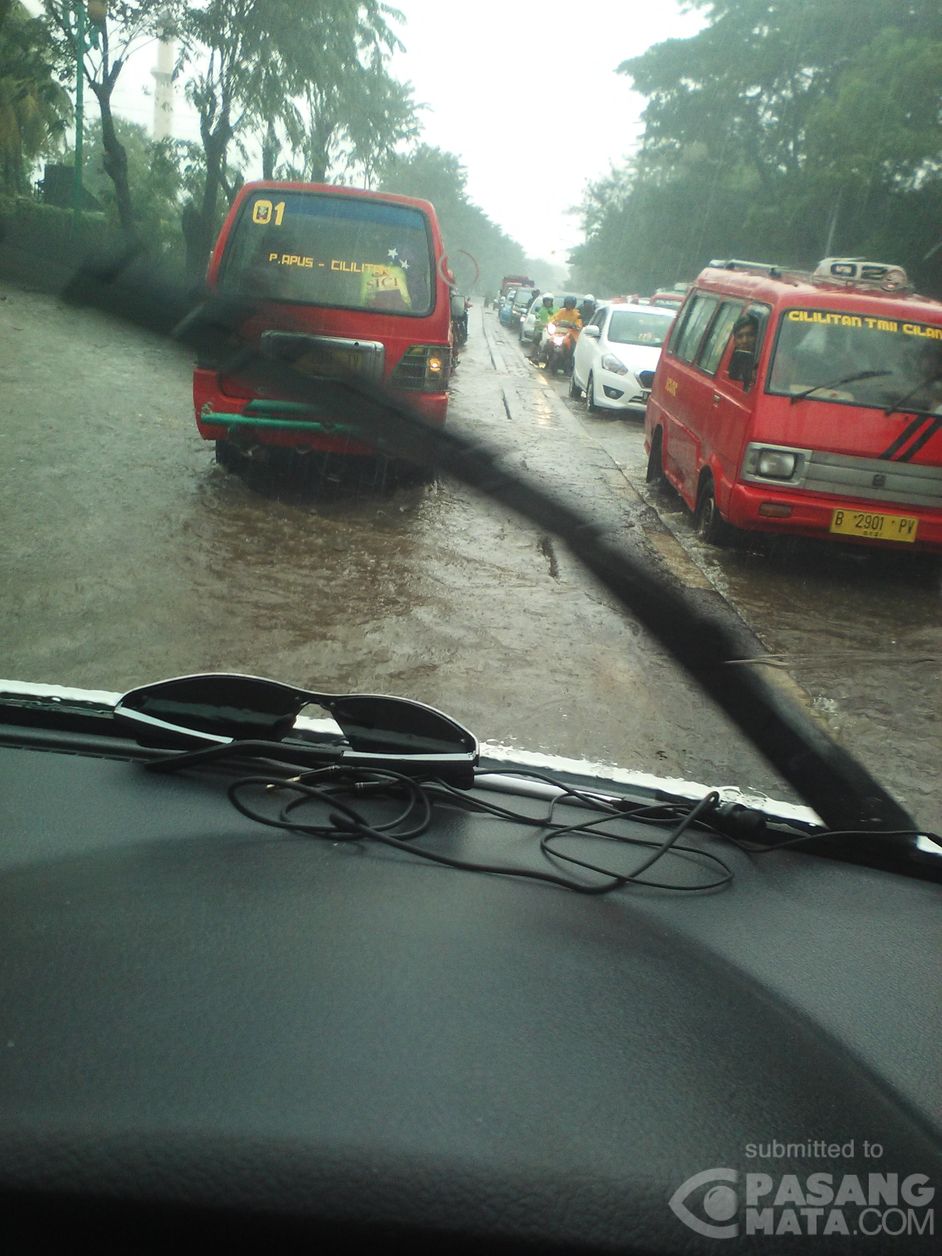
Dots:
pixel 717 398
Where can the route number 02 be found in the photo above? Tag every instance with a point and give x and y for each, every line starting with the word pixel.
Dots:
pixel 262 212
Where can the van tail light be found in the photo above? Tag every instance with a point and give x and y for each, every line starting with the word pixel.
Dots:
pixel 423 368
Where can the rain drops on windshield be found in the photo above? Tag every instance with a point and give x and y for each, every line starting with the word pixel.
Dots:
pixel 678 264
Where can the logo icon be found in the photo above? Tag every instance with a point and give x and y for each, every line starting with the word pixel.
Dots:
pixel 720 1203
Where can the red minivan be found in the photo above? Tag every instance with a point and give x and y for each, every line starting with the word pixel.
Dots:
pixel 340 281
pixel 803 403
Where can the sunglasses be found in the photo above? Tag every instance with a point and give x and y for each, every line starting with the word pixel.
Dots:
pixel 222 708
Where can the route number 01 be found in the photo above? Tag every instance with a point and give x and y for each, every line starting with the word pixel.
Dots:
pixel 262 212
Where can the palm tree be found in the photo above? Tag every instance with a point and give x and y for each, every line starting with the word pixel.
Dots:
pixel 34 108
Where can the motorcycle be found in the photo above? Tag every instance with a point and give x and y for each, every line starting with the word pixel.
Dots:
pixel 459 319
pixel 558 347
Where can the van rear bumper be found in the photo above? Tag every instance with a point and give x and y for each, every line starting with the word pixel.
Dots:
pixel 220 416
pixel 812 514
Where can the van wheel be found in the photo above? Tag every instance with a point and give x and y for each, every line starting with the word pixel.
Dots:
pixel 655 472
pixel 710 524
pixel 590 396
pixel 574 390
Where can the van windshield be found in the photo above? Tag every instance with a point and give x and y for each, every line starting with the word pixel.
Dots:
pixel 317 249
pixel 815 348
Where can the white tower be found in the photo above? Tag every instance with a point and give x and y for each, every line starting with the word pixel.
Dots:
pixel 163 90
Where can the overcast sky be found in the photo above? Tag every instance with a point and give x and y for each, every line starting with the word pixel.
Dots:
pixel 491 80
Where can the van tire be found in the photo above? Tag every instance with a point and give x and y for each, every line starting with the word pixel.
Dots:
pixel 590 396
pixel 710 524
pixel 655 472
pixel 574 390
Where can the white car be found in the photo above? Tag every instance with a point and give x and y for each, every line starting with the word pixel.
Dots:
pixel 616 356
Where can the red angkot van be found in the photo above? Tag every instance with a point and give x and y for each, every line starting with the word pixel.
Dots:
pixel 803 403
pixel 341 281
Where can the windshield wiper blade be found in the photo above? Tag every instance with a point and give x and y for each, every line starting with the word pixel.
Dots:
pixel 847 379
pixel 923 383
pixel 825 775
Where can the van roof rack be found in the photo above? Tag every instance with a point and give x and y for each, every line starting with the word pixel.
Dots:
pixel 736 263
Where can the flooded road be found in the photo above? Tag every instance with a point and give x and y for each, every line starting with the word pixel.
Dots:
pixel 131 555
pixel 859 630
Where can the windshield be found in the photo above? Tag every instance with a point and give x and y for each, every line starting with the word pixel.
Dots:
pixel 629 328
pixel 820 348
pixel 165 512
pixel 324 250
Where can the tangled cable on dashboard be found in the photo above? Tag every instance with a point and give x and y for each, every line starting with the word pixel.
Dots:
pixel 340 793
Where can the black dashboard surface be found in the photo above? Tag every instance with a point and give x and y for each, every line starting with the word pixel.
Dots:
pixel 206 1023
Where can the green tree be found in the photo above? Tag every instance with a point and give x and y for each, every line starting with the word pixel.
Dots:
pixel 342 112
pixel 127 25
pixel 784 129
pixel 33 107
pixel 308 77
pixel 155 173
pixel 439 177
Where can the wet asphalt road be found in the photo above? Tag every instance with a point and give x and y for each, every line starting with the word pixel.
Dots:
pixel 131 555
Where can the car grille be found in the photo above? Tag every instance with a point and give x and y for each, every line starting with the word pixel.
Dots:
pixel 874 479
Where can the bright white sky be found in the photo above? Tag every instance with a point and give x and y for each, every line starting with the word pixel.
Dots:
pixel 489 72
pixel 491 79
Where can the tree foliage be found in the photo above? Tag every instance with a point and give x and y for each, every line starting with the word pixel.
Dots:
pixel 156 172
pixel 783 130
pixel 128 26
pixel 34 108
pixel 310 78
pixel 438 176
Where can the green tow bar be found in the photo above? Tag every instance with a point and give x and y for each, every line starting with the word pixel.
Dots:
pixel 278 416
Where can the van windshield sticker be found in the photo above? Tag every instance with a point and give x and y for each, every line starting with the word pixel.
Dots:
pixel 816 347
pixel 861 320
pixel 360 254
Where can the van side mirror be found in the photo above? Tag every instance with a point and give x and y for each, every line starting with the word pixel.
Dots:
pixel 742 367
pixel 591 331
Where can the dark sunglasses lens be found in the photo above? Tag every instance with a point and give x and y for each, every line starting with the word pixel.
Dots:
pixel 376 725
pixel 225 706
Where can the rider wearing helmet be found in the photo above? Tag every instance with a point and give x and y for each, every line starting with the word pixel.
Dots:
pixel 544 312
pixel 587 307
pixel 568 314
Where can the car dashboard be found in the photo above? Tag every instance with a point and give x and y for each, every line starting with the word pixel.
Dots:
pixel 218 1030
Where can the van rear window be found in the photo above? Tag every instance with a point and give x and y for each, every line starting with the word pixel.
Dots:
pixel 313 249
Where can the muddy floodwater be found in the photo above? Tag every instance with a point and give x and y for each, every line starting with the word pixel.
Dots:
pixel 130 555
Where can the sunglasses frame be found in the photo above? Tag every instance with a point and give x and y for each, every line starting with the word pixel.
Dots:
pixel 465 759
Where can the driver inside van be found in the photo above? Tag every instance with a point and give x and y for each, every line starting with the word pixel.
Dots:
pixel 742 362
pixel 746 333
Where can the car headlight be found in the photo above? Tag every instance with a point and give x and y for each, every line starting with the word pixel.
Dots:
pixel 776 464
pixel 611 363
